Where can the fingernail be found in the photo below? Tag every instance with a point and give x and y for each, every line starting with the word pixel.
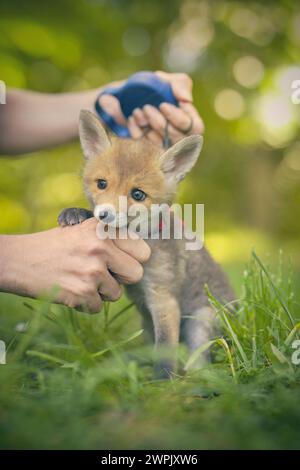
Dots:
pixel 148 107
pixel 136 110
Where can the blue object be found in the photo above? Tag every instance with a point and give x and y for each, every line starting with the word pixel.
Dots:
pixel 140 89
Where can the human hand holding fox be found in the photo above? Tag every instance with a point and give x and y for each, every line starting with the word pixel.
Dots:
pixel 75 262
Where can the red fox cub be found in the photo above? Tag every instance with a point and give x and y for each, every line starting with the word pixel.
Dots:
pixel 171 296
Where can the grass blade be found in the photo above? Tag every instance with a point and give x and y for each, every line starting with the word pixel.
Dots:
pixel 116 345
pixel 275 290
pixel 46 357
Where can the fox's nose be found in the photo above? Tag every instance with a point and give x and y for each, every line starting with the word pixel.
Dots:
pixel 106 216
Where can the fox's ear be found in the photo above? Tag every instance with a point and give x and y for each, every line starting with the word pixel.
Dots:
pixel 178 160
pixel 93 137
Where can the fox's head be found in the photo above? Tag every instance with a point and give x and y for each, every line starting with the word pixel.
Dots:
pixel 135 169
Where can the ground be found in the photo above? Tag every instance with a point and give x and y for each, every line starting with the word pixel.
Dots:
pixel 85 382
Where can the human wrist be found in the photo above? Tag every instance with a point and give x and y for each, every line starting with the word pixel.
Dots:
pixel 7 244
pixel 14 268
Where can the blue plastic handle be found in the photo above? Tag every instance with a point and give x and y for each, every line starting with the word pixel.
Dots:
pixel 140 89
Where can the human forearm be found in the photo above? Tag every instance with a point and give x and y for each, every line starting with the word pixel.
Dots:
pixel 30 121
pixel 12 264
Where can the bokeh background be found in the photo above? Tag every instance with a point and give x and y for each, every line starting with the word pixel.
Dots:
pixel 242 56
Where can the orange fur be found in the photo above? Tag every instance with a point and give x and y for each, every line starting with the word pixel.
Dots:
pixel 127 164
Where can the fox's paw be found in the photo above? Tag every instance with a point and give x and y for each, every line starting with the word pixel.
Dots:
pixel 73 216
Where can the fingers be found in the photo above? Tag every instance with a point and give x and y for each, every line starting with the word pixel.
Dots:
pixel 139 120
pixel 152 117
pixel 122 257
pixel 198 124
pixel 138 132
pixel 112 106
pixel 140 117
pixel 176 116
pixel 92 293
pixel 91 269
pixel 138 249
pixel 158 123
pixel 109 288
pixel 155 119
pixel 180 118
pixel 93 304
pixel 134 129
pixel 126 268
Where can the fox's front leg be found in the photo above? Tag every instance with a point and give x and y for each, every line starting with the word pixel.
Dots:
pixel 198 329
pixel 165 314
pixel 73 216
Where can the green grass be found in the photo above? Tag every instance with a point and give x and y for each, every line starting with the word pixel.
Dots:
pixel 83 382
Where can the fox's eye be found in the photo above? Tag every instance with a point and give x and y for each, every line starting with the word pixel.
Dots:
pixel 138 194
pixel 102 184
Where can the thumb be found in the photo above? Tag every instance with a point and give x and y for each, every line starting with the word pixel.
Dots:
pixel 181 84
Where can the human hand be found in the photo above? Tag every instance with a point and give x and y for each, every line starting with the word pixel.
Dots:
pixel 73 260
pixel 183 121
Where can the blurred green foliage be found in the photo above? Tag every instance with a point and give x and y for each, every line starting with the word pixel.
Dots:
pixel 242 57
